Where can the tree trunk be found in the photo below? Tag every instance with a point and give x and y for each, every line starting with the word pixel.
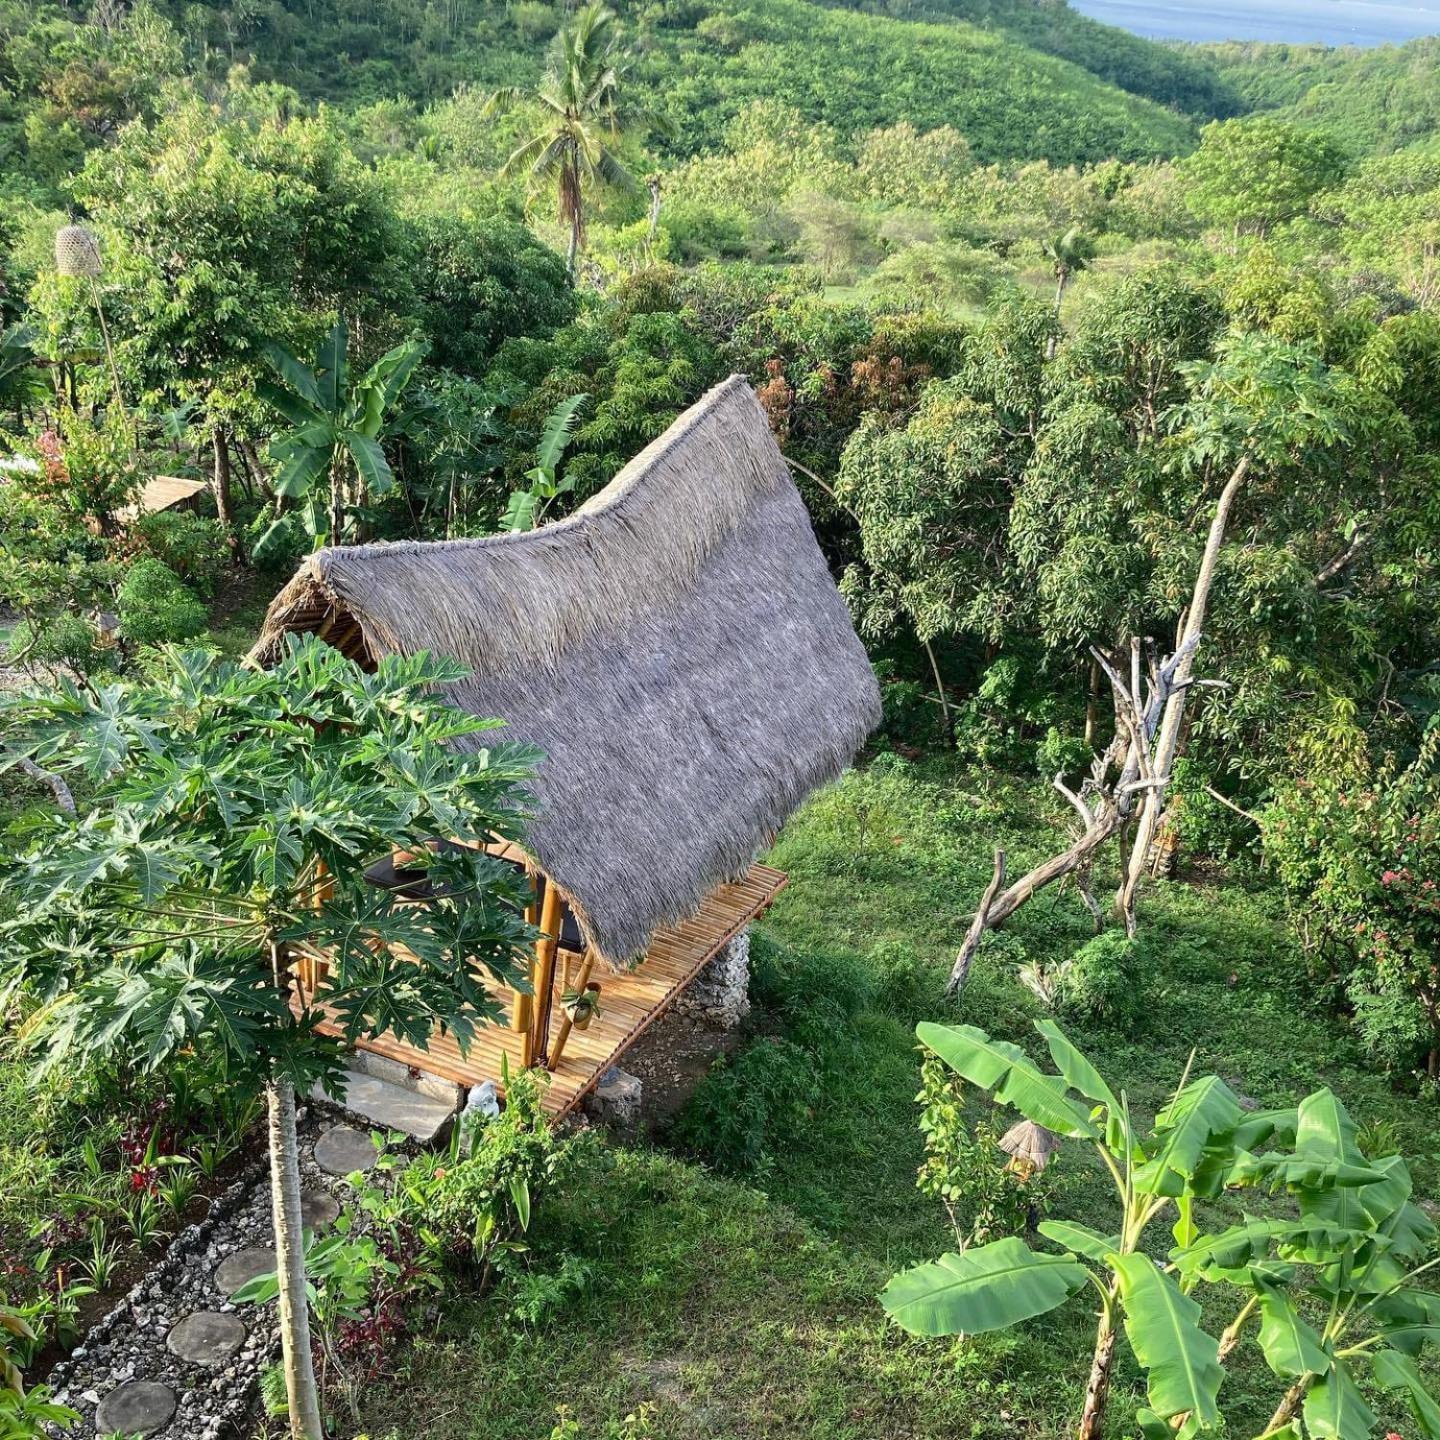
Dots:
pixel 221 484
pixel 1097 1391
pixel 654 183
pixel 1168 739
pixel 1053 343
pixel 1092 703
pixel 300 1389
pixel 940 691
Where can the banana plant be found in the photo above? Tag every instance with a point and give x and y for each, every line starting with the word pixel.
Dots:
pixel 526 510
pixel 331 458
pixel 1348 1220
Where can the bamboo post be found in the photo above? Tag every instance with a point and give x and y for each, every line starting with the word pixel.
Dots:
pixel 545 950
pixel 586 966
pixel 520 1010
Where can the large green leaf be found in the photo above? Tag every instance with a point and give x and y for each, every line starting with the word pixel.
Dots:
pixel 1185 1128
pixel 989 1287
pixel 294 373
pixel 1081 1239
pixel 1335 1408
pixel 1181 1362
pixel 556 433
pixel 1399 1372
pixel 390 374
pixel 1324 1128
pixel 1290 1346
pixel 330 368
pixel 1077 1070
pixel 303 458
pixel 1009 1073
pixel 370 461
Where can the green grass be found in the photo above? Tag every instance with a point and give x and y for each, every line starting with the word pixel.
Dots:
pixel 744 1307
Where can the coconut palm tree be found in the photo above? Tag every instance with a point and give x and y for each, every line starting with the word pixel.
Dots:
pixel 1070 253
pixel 580 120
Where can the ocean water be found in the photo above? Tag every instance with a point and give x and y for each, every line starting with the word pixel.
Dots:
pixel 1329 22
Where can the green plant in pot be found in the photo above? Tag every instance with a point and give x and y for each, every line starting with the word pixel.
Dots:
pixel 582 1006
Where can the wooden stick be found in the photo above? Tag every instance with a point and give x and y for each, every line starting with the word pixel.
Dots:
pixel 961 972
pixel 545 950
pixel 580 982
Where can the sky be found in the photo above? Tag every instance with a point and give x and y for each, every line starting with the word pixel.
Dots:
pixel 1331 22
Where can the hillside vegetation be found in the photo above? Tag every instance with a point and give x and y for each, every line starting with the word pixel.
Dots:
pixel 1375 99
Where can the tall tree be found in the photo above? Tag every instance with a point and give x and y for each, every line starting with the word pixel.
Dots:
pixel 231 814
pixel 581 114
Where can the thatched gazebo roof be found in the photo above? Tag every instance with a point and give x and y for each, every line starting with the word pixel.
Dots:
pixel 676 648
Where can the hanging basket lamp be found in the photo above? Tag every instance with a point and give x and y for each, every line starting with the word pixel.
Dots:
pixel 77 251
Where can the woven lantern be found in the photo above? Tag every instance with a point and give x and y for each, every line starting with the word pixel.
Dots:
pixel 1030 1147
pixel 77 251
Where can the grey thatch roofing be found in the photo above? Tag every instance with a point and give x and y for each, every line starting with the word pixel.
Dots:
pixel 677 648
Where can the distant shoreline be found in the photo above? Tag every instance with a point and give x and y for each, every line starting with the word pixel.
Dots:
pixel 1292 22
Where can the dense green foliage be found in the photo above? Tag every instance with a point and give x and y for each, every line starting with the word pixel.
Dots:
pixel 1023 300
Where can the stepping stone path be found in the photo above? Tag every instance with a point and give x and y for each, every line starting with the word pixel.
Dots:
pixel 207 1338
pixel 177 1359
pixel 139 1408
pixel 319 1209
pixel 342 1150
pixel 242 1267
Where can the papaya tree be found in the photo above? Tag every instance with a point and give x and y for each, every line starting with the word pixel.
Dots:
pixel 230 813
pixel 1345 1241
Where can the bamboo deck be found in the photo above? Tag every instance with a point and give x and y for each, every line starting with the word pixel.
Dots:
pixel 629 1002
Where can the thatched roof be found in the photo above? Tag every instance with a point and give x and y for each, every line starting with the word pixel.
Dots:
pixel 677 649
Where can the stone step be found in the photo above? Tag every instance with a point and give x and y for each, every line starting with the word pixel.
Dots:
pixel 386 1106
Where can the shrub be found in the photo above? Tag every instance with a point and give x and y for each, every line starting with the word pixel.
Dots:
pixel 191 545
pixel 1102 981
pixel 1357 851
pixel 156 608
pixel 769 1086
pixel 472 1200
pixel 965 1168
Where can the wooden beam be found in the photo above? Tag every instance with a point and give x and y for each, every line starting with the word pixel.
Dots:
pixel 588 964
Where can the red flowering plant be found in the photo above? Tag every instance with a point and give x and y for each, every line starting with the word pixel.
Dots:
pixel 1358 853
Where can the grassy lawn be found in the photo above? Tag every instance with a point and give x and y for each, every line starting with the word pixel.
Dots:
pixel 743 1306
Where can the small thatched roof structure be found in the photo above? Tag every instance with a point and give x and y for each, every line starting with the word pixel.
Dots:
pixel 161 492
pixel 677 648
pixel 1029 1143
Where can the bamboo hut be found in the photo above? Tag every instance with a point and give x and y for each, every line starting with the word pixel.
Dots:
pixel 678 651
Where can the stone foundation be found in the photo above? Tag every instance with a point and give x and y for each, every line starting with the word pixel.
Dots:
pixel 615 1101
pixel 720 993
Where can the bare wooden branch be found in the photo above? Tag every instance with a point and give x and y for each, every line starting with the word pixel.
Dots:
pixel 52 782
pixel 960 971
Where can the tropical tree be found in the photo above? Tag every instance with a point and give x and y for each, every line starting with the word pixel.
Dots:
pixel 1345 1243
pixel 1068 254
pixel 336 431
pixel 581 115
pixel 232 812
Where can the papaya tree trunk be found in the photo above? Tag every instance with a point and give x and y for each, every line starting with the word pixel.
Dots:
pixel 300 1390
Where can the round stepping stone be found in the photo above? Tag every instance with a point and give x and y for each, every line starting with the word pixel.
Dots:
pixel 206 1338
pixel 318 1208
pixel 139 1408
pixel 242 1267
pixel 340 1150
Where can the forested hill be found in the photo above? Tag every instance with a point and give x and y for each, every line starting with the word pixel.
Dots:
pixel 1020 80
pixel 1379 99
